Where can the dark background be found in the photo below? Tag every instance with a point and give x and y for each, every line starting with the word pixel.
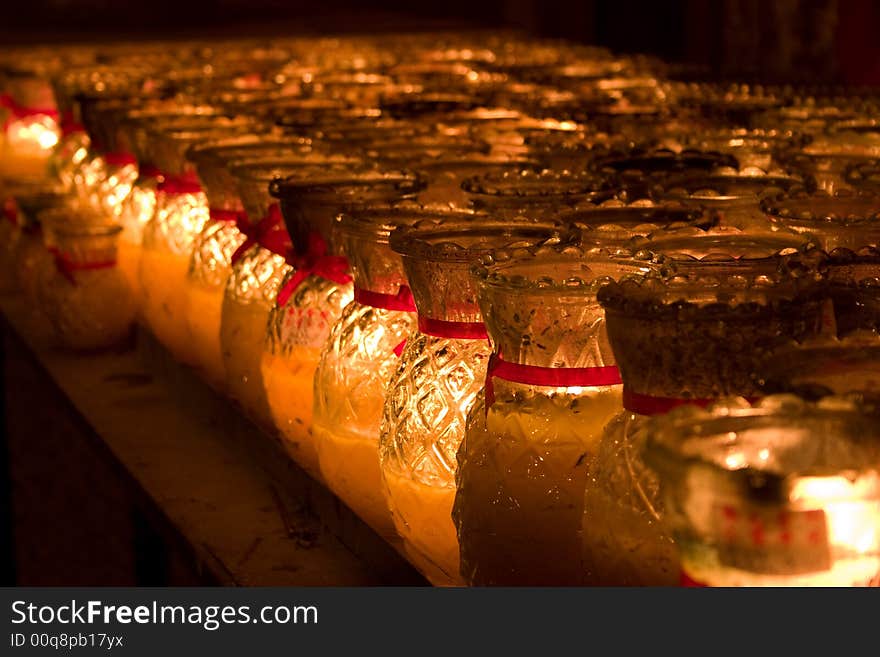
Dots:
pixel 772 40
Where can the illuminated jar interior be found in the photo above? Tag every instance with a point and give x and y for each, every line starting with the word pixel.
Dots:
pixel 29 126
pixel 360 356
pixel 551 388
pixel 688 336
pixel 441 371
pixel 782 493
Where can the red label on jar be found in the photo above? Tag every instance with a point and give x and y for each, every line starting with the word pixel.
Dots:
pixel 771 541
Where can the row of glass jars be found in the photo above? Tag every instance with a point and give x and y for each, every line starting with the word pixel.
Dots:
pixel 297 282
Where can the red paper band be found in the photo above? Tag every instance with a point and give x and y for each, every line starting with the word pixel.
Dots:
pixel 314 262
pixel 650 405
pixel 269 232
pixel 179 185
pixel 231 216
pixel 551 377
pixel 442 328
pixel 119 159
pixel 67 267
pixel 403 300
pixel 398 350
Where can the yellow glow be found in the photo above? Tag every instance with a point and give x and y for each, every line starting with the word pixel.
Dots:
pixel 853 523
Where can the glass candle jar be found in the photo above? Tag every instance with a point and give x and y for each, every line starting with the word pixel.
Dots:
pixel 168 237
pixel 88 300
pixel 258 267
pixel 211 259
pixel 534 193
pixel 845 225
pixel 825 366
pixel 684 338
pixel 441 371
pixel 314 292
pixel 30 255
pixel 735 195
pixel 360 356
pixel 29 126
pixel 551 387
pixel 782 493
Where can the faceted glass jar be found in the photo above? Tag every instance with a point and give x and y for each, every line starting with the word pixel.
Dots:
pixel 441 371
pixel 252 286
pixel 529 445
pixel 360 356
pixel 845 224
pixel 534 193
pixel 30 255
pixel 735 195
pixel 314 293
pixel 169 236
pixel 826 366
pixel 685 338
pixel 782 493
pixel 211 260
pixel 29 127
pixel 87 300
